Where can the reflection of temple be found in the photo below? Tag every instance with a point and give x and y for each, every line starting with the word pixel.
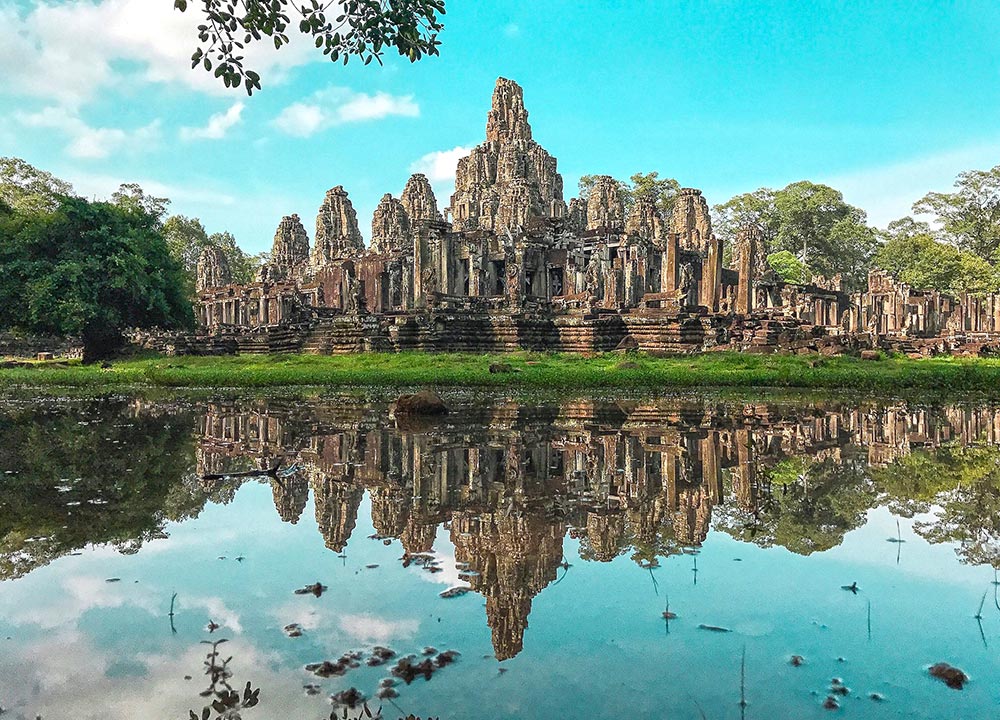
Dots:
pixel 510 482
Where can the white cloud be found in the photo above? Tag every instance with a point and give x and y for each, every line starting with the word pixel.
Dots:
pixel 101 187
pixel 512 30
pixel 86 142
pixel 440 166
pixel 341 105
pixel 68 52
pixel 887 192
pixel 370 628
pixel 217 127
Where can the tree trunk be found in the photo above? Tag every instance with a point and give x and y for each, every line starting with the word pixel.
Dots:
pixel 101 343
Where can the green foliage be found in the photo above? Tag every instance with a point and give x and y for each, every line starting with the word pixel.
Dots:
pixel 970 216
pixel 808 220
pixel 552 371
pixel 27 189
pixel 813 505
pixel 123 481
pixel 186 237
pixel 788 267
pixel 92 269
pixel 360 28
pixel 912 253
pixel 959 487
pixel 663 192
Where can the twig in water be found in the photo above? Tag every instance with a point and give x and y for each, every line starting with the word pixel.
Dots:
pixel 656 588
pixel 979 613
pixel 869 621
pixel 171 614
pixel 743 683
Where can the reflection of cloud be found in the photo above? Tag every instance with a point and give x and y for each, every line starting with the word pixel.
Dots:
pixel 303 613
pixel 67 676
pixel 215 609
pixel 370 628
pixel 448 575
pixel 77 595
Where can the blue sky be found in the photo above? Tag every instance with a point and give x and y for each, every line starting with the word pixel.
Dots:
pixel 883 100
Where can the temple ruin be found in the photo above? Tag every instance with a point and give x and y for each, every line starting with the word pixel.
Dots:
pixel 510 264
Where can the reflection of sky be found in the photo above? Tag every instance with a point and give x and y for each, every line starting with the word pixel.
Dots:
pixel 81 647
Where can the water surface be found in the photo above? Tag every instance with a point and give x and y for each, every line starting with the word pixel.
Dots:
pixel 574 524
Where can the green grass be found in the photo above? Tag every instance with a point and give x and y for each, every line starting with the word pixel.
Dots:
pixel 534 370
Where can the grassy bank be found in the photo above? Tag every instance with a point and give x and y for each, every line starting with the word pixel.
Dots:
pixel 531 370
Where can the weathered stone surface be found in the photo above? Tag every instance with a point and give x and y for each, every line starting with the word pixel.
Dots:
pixel 576 215
pixel 424 402
pixel 213 269
pixel 390 225
pixel 644 220
pixel 290 251
pixel 691 220
pixel 510 178
pixel 337 233
pixel 419 201
pixel 605 205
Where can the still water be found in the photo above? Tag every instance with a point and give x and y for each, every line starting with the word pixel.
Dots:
pixel 860 536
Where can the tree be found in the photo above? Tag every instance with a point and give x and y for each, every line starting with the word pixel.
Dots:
pixel 809 220
pixel 186 238
pixel 360 28
pixel 788 267
pixel 92 269
pixel 133 199
pixel 663 192
pixel 970 216
pixel 27 189
pixel 753 209
pixel 912 253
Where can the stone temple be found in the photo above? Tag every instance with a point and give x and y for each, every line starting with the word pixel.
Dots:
pixel 509 264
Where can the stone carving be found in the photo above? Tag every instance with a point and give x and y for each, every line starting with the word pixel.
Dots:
pixel 337 234
pixel 518 268
pixel 290 251
pixel 390 225
pixel 213 269
pixel 484 179
pixel 576 215
pixel 644 220
pixel 605 206
pixel 691 220
pixel 419 201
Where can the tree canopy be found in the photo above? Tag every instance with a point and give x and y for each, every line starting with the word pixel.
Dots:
pixel 92 269
pixel 186 238
pixel 355 28
pixel 27 189
pixel 970 216
pixel 809 220
pixel 912 252
pixel 662 191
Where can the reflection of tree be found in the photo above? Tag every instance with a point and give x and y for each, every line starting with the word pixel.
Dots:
pixel 960 487
pixel 804 504
pixel 100 475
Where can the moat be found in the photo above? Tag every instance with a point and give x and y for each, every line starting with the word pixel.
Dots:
pixel 692 556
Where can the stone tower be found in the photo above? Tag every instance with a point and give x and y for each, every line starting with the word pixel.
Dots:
pixel 390 225
pixel 419 201
pixel 213 269
pixel 644 220
pixel 691 220
pixel 510 177
pixel 290 250
pixel 337 233
pixel 605 205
